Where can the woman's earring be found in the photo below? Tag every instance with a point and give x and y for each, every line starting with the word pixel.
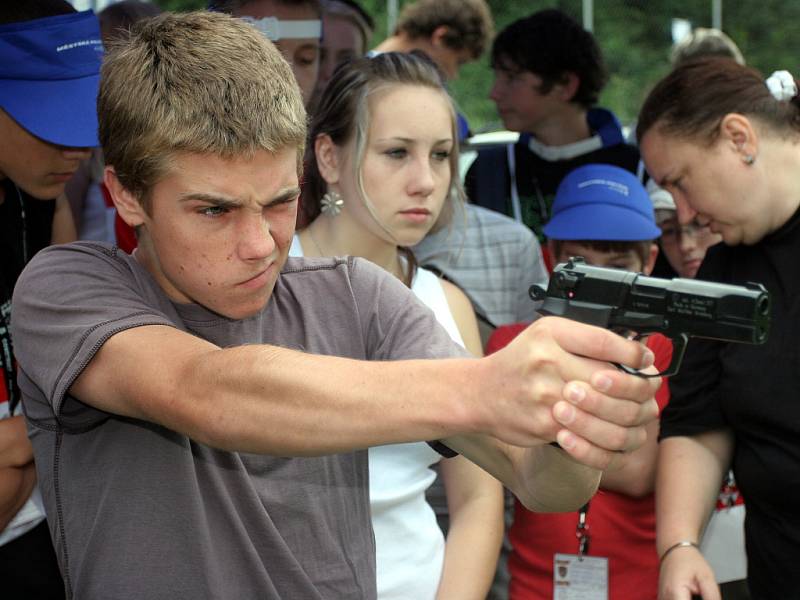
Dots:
pixel 749 159
pixel 331 203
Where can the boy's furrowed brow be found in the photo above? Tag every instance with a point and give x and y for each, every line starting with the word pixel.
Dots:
pixel 285 196
pixel 213 199
pixel 231 202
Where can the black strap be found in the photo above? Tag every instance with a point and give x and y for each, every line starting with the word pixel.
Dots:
pixel 7 359
pixel 6 345
pixel 443 450
pixel 582 530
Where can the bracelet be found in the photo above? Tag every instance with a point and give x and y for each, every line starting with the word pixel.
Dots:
pixel 681 544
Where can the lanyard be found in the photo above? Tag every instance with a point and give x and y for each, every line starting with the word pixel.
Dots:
pixel 24 226
pixel 516 205
pixel 582 531
pixel 6 347
pixel 7 360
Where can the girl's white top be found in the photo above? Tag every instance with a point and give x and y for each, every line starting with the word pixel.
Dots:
pixel 408 541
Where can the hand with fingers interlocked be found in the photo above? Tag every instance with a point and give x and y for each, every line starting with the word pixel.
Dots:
pixel 561 408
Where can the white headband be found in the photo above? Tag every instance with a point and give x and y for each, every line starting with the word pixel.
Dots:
pixel 782 86
pixel 275 29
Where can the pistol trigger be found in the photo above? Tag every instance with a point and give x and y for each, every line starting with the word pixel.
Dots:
pixel 626 333
pixel 679 343
pixel 631 371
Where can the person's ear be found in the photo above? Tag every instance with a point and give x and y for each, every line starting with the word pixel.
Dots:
pixel 128 206
pixel 568 86
pixel 328 158
pixel 738 132
pixel 439 36
pixel 650 263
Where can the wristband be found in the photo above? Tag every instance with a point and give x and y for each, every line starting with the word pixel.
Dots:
pixel 681 544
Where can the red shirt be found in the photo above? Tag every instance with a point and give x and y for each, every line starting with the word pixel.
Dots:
pixel 621 528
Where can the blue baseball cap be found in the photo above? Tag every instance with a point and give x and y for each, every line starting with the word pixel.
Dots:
pixel 603 203
pixel 49 77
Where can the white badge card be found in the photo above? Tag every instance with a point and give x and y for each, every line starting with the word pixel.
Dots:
pixel 580 578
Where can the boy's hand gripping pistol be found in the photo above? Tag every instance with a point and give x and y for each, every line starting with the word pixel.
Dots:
pixel 677 308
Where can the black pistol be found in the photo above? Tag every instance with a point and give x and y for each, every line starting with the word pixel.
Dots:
pixel 677 308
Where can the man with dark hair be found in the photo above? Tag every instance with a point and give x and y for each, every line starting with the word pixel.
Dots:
pixel 451 32
pixel 49 63
pixel 549 73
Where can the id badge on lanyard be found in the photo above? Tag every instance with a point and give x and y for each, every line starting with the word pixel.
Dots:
pixel 580 576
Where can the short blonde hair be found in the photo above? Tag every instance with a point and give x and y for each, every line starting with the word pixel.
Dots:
pixel 199 82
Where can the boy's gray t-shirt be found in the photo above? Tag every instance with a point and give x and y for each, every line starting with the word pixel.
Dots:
pixel 140 511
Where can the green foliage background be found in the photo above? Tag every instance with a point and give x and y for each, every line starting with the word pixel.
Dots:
pixel 635 36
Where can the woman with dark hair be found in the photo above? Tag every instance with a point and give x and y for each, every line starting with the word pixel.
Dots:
pixel 382 172
pixel 726 144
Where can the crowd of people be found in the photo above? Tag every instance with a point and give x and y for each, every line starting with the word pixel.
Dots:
pixel 267 343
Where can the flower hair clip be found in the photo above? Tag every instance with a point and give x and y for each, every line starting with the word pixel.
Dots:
pixel 782 86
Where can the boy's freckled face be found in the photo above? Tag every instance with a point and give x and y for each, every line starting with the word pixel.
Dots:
pixel 219 231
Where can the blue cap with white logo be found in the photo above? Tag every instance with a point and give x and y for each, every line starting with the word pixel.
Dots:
pixel 49 77
pixel 602 203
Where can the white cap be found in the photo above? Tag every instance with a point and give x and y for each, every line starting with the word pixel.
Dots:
pixel 661 198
